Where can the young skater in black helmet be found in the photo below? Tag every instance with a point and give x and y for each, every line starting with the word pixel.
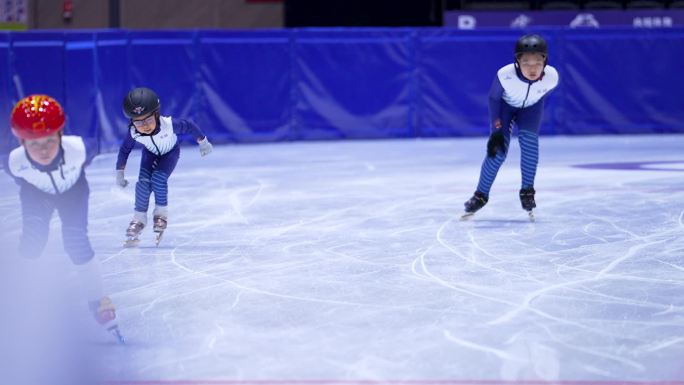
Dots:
pixel 516 98
pixel 159 136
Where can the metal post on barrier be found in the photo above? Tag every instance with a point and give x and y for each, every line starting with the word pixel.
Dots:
pixel 114 14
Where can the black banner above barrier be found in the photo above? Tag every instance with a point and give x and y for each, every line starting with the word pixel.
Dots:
pixel 651 18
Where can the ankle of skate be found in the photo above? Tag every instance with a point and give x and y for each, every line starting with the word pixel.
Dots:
pixel 160 223
pixel 476 202
pixel 527 198
pixel 134 228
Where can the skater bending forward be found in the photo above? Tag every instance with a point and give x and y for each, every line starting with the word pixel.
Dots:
pixel 161 150
pixel 516 98
pixel 49 168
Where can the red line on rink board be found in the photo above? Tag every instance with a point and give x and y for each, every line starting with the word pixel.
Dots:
pixel 388 382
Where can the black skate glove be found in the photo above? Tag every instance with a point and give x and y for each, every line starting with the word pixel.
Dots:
pixel 496 141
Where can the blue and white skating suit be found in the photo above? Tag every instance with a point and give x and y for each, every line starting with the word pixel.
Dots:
pixel 159 158
pixel 514 100
pixel 60 186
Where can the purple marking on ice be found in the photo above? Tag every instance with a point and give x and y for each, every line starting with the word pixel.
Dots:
pixel 633 165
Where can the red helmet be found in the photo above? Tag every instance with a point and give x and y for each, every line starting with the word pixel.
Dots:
pixel 36 116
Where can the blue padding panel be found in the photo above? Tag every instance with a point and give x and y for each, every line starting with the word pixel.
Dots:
pixel 38 63
pixel 80 85
pixel 166 62
pixel 245 80
pixel 113 80
pixel 371 73
pixel 337 83
pixel 623 82
pixel 455 73
pixel 8 95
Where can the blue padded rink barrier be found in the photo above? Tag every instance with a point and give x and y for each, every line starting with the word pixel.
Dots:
pixel 344 262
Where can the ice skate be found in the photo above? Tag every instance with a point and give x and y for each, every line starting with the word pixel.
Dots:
pixel 105 314
pixel 476 202
pixel 133 233
pixel 527 201
pixel 159 227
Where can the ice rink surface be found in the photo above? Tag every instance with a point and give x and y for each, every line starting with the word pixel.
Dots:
pixel 325 262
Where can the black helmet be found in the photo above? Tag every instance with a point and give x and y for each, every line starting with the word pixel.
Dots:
pixel 531 43
pixel 140 101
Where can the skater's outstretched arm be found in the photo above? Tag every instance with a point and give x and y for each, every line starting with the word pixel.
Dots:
pixel 495 99
pixel 122 159
pixel 124 152
pixel 187 127
pixel 183 126
pixel 496 139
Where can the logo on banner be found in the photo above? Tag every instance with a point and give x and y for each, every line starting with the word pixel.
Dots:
pixel 466 22
pixel 521 21
pixel 584 20
pixel 652 22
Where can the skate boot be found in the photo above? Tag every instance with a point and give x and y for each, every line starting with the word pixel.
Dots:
pixel 476 202
pixel 133 233
pixel 527 201
pixel 159 227
pixel 105 314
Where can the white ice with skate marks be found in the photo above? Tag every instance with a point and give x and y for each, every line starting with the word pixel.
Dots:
pixel 347 261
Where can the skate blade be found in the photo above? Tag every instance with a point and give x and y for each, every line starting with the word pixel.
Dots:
pixel 114 330
pixel 531 215
pixel 131 243
pixel 466 216
pixel 158 238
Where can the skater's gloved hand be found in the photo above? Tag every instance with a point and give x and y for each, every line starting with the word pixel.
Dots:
pixel 204 146
pixel 496 141
pixel 120 180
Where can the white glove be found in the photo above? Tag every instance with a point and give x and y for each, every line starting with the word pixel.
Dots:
pixel 204 146
pixel 120 180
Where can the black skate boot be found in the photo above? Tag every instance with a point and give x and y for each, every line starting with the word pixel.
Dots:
pixel 527 201
pixel 133 233
pixel 159 227
pixel 476 202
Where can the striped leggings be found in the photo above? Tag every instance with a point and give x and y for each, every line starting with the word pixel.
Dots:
pixel 529 150
pixel 154 174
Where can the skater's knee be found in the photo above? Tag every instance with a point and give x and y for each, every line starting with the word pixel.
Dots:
pixel 81 255
pixel 81 258
pixel 527 136
pixel 30 251
pixel 32 244
pixel 77 245
pixel 497 160
pixel 159 178
pixel 500 156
